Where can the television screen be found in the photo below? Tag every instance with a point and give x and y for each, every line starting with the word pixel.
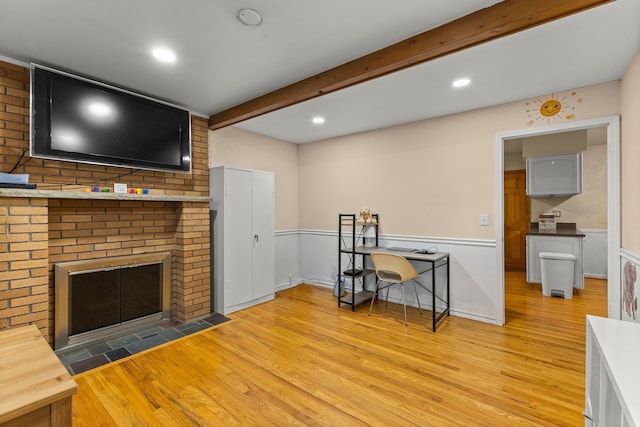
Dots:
pixel 80 120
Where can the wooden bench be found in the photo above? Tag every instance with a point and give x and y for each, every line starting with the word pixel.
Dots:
pixel 35 388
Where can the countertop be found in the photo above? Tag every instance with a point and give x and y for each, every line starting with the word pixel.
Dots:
pixel 563 229
pixel 618 343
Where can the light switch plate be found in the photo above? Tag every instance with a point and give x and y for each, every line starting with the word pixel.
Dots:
pixel 484 219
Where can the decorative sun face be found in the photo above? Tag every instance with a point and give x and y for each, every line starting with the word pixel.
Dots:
pixel 552 107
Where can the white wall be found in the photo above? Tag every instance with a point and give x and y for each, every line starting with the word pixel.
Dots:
pixel 287 247
pixel 428 180
pixel 630 183
pixel 472 270
pixel 594 253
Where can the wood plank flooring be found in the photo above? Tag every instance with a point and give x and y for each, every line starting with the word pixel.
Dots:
pixel 299 360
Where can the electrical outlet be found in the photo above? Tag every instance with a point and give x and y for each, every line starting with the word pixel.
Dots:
pixel 484 219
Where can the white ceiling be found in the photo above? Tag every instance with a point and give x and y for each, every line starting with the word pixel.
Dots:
pixel 222 63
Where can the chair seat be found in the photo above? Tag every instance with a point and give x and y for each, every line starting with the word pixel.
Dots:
pixel 394 269
pixel 389 276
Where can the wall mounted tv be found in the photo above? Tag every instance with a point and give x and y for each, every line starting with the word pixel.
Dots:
pixel 80 120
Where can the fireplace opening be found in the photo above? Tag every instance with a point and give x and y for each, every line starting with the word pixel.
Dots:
pixel 96 299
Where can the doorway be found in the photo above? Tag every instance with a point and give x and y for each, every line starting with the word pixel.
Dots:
pixel 612 125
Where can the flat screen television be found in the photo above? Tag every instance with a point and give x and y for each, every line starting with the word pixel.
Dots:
pixel 81 120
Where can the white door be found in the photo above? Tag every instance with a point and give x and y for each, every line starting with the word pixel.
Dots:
pixel 238 237
pixel 263 234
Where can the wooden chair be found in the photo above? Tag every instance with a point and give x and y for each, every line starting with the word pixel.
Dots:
pixel 394 269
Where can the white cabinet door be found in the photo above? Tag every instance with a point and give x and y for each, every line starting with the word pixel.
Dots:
pixel 238 258
pixel 263 234
pixel 554 176
pixel 243 238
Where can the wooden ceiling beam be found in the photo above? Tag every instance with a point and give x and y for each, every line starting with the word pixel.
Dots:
pixel 499 20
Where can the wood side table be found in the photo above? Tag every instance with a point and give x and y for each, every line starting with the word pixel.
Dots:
pixel 35 388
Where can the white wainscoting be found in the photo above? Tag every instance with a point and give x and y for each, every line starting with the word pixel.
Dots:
pixel 594 253
pixel 472 269
pixel 310 256
pixel 287 250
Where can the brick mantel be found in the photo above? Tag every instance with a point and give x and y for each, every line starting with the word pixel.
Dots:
pixel 59 221
pixel 40 232
pixel 87 195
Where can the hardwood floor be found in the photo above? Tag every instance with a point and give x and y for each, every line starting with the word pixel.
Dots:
pixel 300 360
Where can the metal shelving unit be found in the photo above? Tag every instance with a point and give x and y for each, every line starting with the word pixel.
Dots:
pixel 350 236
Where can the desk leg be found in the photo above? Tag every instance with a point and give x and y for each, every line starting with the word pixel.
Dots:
pixel 448 291
pixel 433 296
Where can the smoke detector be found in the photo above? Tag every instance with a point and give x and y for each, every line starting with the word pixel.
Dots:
pixel 249 17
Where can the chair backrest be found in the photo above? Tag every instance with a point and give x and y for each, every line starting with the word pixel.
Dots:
pixel 393 268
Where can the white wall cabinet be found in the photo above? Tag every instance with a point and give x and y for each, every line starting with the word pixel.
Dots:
pixel 612 389
pixel 551 243
pixel 242 204
pixel 554 176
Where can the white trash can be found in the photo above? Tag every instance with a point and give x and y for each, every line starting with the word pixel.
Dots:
pixel 557 274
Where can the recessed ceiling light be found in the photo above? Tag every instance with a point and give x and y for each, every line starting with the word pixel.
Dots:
pixel 163 54
pixel 461 82
pixel 318 120
pixel 249 17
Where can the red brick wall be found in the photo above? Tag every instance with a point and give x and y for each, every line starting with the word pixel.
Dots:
pixel 36 233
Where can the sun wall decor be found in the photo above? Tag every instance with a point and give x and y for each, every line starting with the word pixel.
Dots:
pixel 553 107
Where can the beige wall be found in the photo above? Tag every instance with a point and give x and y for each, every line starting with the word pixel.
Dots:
pixel 630 157
pixel 429 178
pixel 513 162
pixel 558 143
pixel 588 209
pixel 241 149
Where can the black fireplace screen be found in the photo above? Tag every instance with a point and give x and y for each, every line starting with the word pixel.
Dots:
pixel 106 298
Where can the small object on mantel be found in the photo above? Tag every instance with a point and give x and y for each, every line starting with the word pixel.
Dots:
pixel 18 186
pixel 120 188
pixel 14 178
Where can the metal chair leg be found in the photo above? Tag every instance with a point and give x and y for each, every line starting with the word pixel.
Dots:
pixel 415 288
pixel 373 298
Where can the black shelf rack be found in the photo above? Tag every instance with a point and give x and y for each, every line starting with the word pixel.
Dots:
pixel 350 236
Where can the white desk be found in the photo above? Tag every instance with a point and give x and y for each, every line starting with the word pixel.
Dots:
pixel 435 261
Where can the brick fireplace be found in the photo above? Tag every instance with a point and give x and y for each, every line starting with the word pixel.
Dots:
pixel 60 221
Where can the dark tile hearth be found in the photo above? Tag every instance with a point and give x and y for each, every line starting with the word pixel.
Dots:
pixel 101 353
